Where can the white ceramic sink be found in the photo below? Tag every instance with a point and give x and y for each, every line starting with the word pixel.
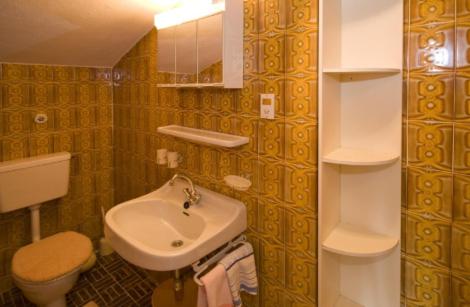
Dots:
pixel 142 230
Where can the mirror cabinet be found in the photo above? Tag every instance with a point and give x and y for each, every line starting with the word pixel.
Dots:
pixel 207 52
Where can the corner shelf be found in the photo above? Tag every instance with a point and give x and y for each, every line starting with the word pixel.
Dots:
pixel 204 136
pixel 345 302
pixel 348 240
pixel 352 156
pixel 359 143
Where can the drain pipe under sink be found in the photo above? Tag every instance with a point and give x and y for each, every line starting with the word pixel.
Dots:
pixel 178 286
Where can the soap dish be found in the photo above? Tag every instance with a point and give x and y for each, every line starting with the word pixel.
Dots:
pixel 237 182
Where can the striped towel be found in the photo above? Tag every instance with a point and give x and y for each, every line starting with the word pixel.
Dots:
pixel 241 272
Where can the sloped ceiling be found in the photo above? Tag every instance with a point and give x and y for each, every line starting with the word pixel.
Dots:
pixel 92 33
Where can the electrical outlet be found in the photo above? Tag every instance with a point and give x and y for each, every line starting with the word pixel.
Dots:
pixel 267 106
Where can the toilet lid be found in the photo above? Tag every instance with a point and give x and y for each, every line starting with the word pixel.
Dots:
pixel 52 257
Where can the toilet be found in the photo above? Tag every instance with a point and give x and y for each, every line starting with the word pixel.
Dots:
pixel 46 269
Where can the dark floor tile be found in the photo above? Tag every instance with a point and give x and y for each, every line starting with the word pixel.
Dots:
pixel 121 301
pixel 141 290
pixel 83 295
pixel 112 293
pixel 100 280
pixel 124 275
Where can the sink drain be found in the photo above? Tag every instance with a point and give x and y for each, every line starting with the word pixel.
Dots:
pixel 177 243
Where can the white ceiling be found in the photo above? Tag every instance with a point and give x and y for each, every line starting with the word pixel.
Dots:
pixel 93 33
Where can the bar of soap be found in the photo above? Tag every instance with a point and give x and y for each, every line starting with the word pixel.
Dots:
pixel 237 182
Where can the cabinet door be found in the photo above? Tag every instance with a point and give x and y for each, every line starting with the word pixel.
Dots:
pixel 186 53
pixel 166 56
pixel 210 49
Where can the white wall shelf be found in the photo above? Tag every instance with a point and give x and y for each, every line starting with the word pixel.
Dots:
pixel 348 240
pixel 360 157
pixel 204 136
pixel 191 85
pixel 361 71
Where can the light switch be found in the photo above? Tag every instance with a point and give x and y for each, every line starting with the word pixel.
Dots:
pixel 267 106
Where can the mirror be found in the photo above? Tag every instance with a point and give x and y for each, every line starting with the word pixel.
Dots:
pixel 210 49
pixel 186 53
pixel 207 52
pixel 166 56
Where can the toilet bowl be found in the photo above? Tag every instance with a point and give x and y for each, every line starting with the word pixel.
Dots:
pixel 46 270
pixel 49 293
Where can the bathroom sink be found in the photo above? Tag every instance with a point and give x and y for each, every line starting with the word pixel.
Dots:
pixel 155 232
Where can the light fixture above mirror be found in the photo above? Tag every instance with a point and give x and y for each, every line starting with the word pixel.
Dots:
pixel 182 11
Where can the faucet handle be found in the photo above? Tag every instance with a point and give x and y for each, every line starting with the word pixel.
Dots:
pixel 187 192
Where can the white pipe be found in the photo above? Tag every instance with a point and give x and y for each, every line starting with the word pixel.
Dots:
pixel 35 223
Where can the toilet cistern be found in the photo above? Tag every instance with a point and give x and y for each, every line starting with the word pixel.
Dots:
pixel 192 196
pixel 29 182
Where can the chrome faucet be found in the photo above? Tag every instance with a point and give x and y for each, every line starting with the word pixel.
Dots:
pixel 192 196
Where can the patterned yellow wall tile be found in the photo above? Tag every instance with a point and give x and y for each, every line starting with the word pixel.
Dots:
pixel 462 57
pixel 301 142
pixel 425 12
pixel 301 98
pixel 428 239
pixel 271 294
pixel 273 257
pixel 429 192
pixel 461 198
pixel 430 145
pixel 462 148
pixel 462 98
pixel 271 138
pixel 271 58
pixel 301 14
pixel 301 276
pixel 300 187
pixel 301 232
pixel 431 97
pixel 460 289
pixel 461 247
pixel 431 47
pixel 300 55
pixel 426 285
pixel 272 221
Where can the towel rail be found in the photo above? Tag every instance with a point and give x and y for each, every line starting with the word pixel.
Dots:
pixel 199 267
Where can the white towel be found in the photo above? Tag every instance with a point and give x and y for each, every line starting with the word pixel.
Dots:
pixel 241 272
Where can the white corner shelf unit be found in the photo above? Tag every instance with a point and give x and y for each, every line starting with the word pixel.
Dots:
pixel 345 302
pixel 360 109
pixel 354 156
pixel 348 240
pixel 204 136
